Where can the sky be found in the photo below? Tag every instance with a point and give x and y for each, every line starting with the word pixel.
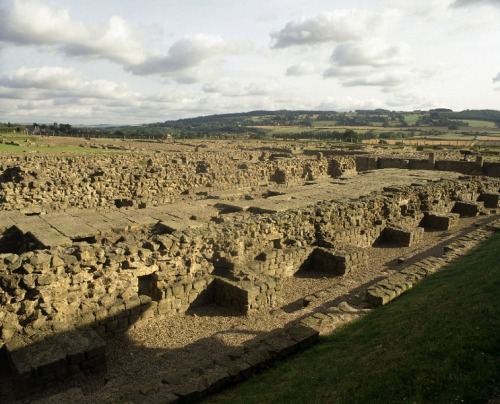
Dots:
pixel 129 62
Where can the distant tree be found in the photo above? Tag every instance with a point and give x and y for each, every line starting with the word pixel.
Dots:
pixel 349 135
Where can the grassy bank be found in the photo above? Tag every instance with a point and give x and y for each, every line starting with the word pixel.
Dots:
pixel 439 343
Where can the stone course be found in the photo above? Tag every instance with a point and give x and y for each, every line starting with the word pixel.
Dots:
pixel 393 286
pixel 238 365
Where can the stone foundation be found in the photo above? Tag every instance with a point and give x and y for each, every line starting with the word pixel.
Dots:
pixel 41 362
pixel 440 221
pixel 338 262
pixel 467 209
pixel 402 236
pixel 101 249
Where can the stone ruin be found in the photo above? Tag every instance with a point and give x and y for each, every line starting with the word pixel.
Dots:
pixel 90 245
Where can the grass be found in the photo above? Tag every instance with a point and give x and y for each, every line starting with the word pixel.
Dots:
pixel 476 123
pixel 411 119
pixel 44 149
pixel 439 343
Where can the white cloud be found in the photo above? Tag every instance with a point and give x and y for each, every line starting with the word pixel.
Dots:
pixel 347 103
pixel 467 3
pixel 411 100
pixel 30 22
pixel 433 9
pixel 496 79
pixel 187 53
pixel 232 88
pixel 302 69
pixel 374 53
pixel 337 26
pixel 50 81
pixel 369 63
pixel 385 80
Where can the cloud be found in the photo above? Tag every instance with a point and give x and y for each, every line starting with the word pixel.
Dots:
pixel 411 100
pixel 347 104
pixel 232 88
pixel 374 53
pixel 467 3
pixel 496 79
pixel 57 82
pixel 369 63
pixel 186 53
pixel 301 69
pixel 337 26
pixel 32 23
pixel 347 71
pixel 386 80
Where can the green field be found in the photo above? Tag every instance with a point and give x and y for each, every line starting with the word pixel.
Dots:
pixel 438 343
pixel 324 123
pixel 411 119
pixel 45 149
pixel 482 124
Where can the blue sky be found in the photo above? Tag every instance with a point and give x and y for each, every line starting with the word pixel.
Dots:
pixel 130 62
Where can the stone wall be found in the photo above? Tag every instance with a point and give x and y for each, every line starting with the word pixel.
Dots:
pixel 115 279
pixel 59 274
pixel 366 163
pixel 43 183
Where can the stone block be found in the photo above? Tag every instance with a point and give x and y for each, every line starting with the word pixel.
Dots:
pixel 337 262
pixel 490 199
pixel 467 209
pixel 440 221
pixel 45 360
pixel 405 237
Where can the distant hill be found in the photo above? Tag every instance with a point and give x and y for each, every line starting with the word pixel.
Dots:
pixel 292 124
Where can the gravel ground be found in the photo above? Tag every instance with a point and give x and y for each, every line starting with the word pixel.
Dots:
pixel 167 345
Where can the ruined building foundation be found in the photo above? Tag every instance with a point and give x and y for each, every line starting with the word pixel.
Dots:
pixel 93 247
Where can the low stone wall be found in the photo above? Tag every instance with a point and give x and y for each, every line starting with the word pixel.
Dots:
pixel 464 167
pixel 367 163
pixel 491 169
pixel 248 296
pixel 490 199
pixel 402 236
pixel 337 262
pixel 393 286
pixel 440 221
pixel 41 361
pixel 389 162
pixel 467 209
pixel 237 366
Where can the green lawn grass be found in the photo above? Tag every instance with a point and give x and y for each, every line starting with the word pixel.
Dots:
pixel 438 343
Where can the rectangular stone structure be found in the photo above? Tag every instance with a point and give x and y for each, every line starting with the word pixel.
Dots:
pixel 467 209
pixel 337 262
pixel 490 199
pixel 405 237
pixel 440 221
pixel 245 295
pixel 72 227
pixel 44 234
pixel 42 361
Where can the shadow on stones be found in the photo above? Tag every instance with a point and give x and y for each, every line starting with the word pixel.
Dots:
pixel 130 371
